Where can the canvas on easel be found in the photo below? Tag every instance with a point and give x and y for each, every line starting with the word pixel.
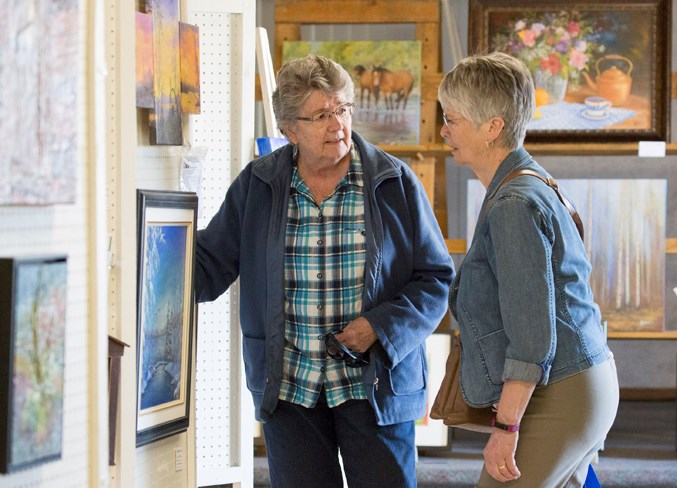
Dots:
pixel 267 76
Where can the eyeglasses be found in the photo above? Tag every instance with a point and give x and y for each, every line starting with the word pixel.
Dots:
pixel 342 112
pixel 336 350
pixel 448 122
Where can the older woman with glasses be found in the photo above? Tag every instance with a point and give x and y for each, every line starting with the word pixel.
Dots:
pixel 533 342
pixel 344 273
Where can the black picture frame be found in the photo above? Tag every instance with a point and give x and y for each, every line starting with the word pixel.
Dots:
pixel 165 320
pixel 33 301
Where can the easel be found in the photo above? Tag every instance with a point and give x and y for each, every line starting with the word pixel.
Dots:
pixel 425 15
pixel 267 76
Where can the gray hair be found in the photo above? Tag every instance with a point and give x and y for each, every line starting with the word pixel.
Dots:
pixel 298 78
pixel 483 86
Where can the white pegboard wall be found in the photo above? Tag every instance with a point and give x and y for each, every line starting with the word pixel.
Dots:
pixel 216 129
pixel 62 229
pixel 158 167
pixel 28 231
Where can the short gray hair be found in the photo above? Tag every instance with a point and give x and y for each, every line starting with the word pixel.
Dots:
pixel 483 86
pixel 298 78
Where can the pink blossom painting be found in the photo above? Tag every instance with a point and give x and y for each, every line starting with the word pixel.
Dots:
pixel 33 296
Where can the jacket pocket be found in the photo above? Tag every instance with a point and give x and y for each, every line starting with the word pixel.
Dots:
pixel 254 352
pixel 409 376
pixel 492 349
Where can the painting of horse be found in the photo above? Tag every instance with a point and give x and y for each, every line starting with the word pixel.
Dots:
pixel 394 86
pixel 365 78
pixel 397 81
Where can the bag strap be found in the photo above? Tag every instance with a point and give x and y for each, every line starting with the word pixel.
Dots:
pixel 552 184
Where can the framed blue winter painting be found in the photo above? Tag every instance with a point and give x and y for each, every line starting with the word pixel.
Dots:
pixel 166 256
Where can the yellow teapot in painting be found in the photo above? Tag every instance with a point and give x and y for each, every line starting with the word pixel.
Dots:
pixel 612 84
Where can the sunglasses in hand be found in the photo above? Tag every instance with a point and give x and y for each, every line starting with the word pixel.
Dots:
pixel 336 350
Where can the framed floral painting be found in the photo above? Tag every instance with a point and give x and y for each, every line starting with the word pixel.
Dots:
pixel 601 70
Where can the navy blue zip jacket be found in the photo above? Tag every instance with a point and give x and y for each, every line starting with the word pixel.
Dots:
pixel 407 276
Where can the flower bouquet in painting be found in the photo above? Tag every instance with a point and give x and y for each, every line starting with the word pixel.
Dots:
pixel 601 70
pixel 557 48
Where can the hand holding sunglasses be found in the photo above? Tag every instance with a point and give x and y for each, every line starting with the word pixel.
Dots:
pixel 338 351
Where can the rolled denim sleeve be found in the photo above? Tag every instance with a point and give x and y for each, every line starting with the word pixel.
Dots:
pixel 520 253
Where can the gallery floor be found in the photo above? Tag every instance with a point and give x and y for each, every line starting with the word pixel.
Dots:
pixel 640 452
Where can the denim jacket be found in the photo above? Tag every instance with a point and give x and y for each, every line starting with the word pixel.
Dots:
pixel 522 296
pixel 407 276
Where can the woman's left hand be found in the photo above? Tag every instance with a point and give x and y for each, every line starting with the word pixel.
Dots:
pixel 499 456
pixel 358 335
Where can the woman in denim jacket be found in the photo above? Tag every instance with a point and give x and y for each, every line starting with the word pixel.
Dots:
pixel 533 342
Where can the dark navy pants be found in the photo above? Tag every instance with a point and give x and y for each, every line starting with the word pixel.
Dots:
pixel 303 443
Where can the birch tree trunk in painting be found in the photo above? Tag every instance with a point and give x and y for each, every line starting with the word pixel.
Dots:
pixel 638 262
pixel 627 254
pixel 588 230
pixel 619 266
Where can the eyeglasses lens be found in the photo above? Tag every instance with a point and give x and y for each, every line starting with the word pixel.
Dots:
pixel 343 112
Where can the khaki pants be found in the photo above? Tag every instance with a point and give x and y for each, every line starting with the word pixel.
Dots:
pixel 564 426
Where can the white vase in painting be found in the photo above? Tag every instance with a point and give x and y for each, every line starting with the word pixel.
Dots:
pixel 555 85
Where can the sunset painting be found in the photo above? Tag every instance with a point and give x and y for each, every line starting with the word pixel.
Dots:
pixel 190 68
pixel 144 60
pixel 165 117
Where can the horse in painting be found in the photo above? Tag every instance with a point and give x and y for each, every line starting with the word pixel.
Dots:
pixel 366 80
pixel 395 86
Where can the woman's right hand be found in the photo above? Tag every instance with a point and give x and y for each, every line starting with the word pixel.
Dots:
pixel 499 456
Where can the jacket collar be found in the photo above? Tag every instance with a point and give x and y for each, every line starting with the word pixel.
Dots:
pixel 376 164
pixel 518 157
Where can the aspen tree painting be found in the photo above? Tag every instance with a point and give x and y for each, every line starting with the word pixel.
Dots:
pixel 624 222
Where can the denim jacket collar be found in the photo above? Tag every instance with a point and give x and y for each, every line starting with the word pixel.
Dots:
pixel 515 159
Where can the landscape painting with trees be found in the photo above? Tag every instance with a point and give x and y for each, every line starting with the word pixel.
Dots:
pixel 33 298
pixel 166 256
pixel 624 223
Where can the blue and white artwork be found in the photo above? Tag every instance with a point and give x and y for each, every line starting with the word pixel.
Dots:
pixel 624 223
pixel 163 326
